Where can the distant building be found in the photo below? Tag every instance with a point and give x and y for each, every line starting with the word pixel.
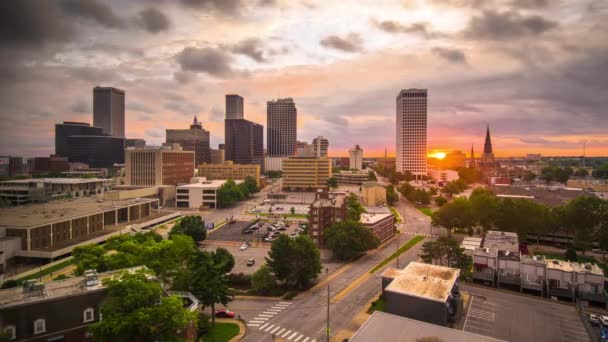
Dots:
pixel 444 176
pixel 411 131
pixel 320 146
pixel 302 144
pixel 167 165
pixel 533 156
pixel 281 126
pixel 97 151
pixel 195 139
pixel 453 160
pixel 136 143
pixel 24 191
pixel 200 193
pixel 327 209
pixel 274 163
pixel 488 165
pixel 69 128
pixel 374 194
pixel 342 163
pixel 351 177
pixel 109 110
pixel 53 163
pixel 306 173
pixel 388 163
pixel 234 107
pixel 244 142
pixel 381 225
pixel 229 170
pixel 356 158
pixel 218 156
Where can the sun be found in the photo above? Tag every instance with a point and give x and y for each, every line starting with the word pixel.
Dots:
pixel 438 155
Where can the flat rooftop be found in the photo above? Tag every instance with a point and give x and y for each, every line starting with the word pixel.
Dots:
pixel 568 266
pixel 373 218
pixel 503 241
pixel 382 326
pixel 57 180
pixel 208 184
pixel 60 210
pixel 426 281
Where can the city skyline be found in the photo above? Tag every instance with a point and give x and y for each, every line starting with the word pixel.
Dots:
pixel 533 70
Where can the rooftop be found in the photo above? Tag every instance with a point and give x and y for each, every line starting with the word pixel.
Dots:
pixel 487 252
pixel 503 241
pixel 372 185
pixel 207 184
pixel 57 180
pixel 373 218
pixel 334 200
pixel 568 266
pixel 551 196
pixel 425 281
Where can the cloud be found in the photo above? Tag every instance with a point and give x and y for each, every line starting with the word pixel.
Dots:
pixel 450 54
pixel 534 4
pixel 251 47
pixel 136 106
pixel 81 106
pixel 93 10
pixel 493 25
pixel 183 107
pixel 226 7
pixel 350 43
pixel 155 133
pixel 206 60
pixel 420 28
pixel 542 141
pixel 184 77
pixel 153 20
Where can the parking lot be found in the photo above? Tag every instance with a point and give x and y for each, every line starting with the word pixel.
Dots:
pixel 512 317
pixel 234 232
pixel 282 208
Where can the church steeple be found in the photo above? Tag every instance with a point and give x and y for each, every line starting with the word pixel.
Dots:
pixel 472 164
pixel 487 146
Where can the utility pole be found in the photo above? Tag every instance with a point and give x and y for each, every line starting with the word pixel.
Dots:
pixel 327 328
pixel 397 240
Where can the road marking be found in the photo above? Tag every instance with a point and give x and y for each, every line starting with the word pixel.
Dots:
pixel 275 329
pixel 256 322
pixel 261 318
pixel 282 306
pixel 270 327
pixel 286 333
pixel 262 327
pixel 292 335
pixel 269 313
pixel 288 303
pixel 306 339
pixel 263 315
pixel 253 325
pixel 299 337
pixel 275 308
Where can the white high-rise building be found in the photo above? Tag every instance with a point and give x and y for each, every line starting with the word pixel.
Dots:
pixel 356 158
pixel 411 131
pixel 320 145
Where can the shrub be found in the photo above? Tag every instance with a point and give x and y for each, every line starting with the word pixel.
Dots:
pixel 290 295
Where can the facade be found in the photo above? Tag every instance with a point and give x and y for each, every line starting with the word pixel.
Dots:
pixel 351 177
pixel 229 170
pixel 244 142
pixel 234 107
pixel 381 225
pixel 200 193
pixel 423 292
pixel 69 128
pixel 411 127
pixel 488 165
pixel 327 209
pixel 274 163
pixel 97 151
pixel 373 194
pixel 109 110
pixel 217 156
pixel 444 176
pixel 136 143
pixel 320 145
pixel 195 139
pixel 53 163
pixel 24 191
pixel 11 166
pixel 167 165
pixel 388 163
pixel 342 163
pixel 306 173
pixel 281 127
pixel 356 158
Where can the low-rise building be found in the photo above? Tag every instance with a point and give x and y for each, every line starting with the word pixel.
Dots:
pixel 470 244
pixel 381 225
pixel 373 194
pixel 327 209
pixel 200 193
pixel 166 165
pixel 24 191
pixel 229 170
pixel 443 176
pixel 571 280
pixel 306 173
pixel 351 177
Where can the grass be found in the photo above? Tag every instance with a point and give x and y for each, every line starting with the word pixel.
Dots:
pixel 222 332
pixel 47 271
pixel 377 305
pixel 396 214
pixel 400 251
pixel 426 211
pixel 580 258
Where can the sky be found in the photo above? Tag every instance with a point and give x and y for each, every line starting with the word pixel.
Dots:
pixel 536 71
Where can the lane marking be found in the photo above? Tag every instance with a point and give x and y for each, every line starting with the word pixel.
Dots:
pixel 263 315
pixel 288 303
pixel 270 327
pixel 262 327
pixel 299 337
pixel 292 335
pixel 306 339
pixel 281 331
pixel 269 313
pixel 286 333
pixel 275 329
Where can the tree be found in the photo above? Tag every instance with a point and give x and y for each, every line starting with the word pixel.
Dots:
pixel 294 261
pixel 529 176
pixel 522 216
pixel 348 239
pixel 446 251
pixel 555 174
pixel 469 175
pixel 454 187
pixel 274 174
pixel 456 214
pixel 581 173
pixel 135 310
pixel 571 254
pixel 371 176
pixel 484 205
pixel 192 225
pixel 332 182
pixel 391 195
pixel 229 193
pixel 440 201
pixel 251 184
pixel 601 172
pixel 354 208
pixel 292 210
pixel 263 281
pixel 583 215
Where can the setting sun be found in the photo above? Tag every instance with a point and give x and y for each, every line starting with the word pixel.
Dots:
pixel 438 155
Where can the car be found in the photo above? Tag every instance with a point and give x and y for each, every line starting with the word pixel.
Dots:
pixel 224 313
pixel 244 247
pixel 283 228
pixel 250 262
pixel 269 239
pixel 593 318
pixel 604 320
pixel 600 251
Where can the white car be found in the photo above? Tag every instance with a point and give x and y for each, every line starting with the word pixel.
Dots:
pixel 594 319
pixel 243 247
pixel 604 320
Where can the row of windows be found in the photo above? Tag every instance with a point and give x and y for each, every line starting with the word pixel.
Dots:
pixel 40 324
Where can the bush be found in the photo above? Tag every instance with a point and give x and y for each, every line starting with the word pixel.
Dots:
pixel 290 295
pixel 10 283
pixel 263 281
pixel 204 324
pixel 440 201
pixel 61 277
pixel 239 279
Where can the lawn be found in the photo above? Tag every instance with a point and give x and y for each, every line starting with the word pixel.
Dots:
pixel 396 214
pixel 400 251
pixel 426 211
pixel 377 305
pixel 222 332
pixel 580 258
pixel 47 271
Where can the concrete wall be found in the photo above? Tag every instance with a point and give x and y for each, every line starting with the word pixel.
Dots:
pixel 416 308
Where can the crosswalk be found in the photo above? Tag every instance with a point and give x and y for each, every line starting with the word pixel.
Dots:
pixel 262 323
pixel 423 234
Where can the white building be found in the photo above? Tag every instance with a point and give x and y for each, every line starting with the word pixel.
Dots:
pixel 444 175
pixel 199 193
pixel 356 158
pixel 411 118
pixel 320 145
pixel 274 163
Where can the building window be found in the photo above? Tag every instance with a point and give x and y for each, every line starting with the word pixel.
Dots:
pixel 89 315
pixel 39 326
pixel 10 332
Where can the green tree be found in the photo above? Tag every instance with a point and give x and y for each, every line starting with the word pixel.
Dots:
pixel 192 225
pixel 251 184
pixel 584 215
pixel 571 254
pixel 371 176
pixel 529 176
pixel 229 193
pixel 469 175
pixel 446 251
pixel 456 214
pixel 88 257
pixel 348 240
pixel 332 182
pixel 440 201
pixel 522 216
pixel 135 310
pixel 292 210
pixel 555 174
pixel 484 205
pixel 263 281
pixel 354 209
pixel 601 172
pixel 294 261
pixel 391 195
pixel 454 187
pixel 581 173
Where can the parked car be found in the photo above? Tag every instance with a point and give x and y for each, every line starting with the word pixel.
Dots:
pixel 244 247
pixel 250 262
pixel 224 313
pixel 604 320
pixel 594 319
pixel 600 251
pixel 269 239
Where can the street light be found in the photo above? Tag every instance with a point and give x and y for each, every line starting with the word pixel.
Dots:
pixel 327 328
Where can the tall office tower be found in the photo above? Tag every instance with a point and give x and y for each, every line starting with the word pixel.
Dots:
pixel 165 165
pixel 109 110
pixel 411 131
pixel 282 124
pixel 194 139
pixel 67 129
pixel 244 142
pixel 97 151
pixel 234 107
pixel 356 158
pixel 320 145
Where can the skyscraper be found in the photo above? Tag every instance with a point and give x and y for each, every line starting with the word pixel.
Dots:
pixel 320 145
pixel 109 110
pixel 411 131
pixel 234 107
pixel 67 129
pixel 282 123
pixel 356 158
pixel 195 139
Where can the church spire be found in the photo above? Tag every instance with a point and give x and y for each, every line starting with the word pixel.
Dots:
pixel 472 157
pixel 487 146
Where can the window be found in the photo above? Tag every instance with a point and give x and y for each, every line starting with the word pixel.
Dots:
pixel 89 315
pixel 39 326
pixel 10 332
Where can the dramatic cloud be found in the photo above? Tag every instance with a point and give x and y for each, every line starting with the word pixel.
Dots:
pixel 350 43
pixel 93 10
pixel 452 55
pixel 492 25
pixel 227 7
pixel 252 48
pixel 207 60
pixel 415 28
pixel 153 20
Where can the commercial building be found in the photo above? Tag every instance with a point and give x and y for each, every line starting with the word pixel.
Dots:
pixel 11 166
pixel 109 110
pixel 387 163
pixel 218 156
pixel 274 163
pixel 423 292
pixel 53 163
pixel 443 176
pixel 320 145
pixel 135 143
pixel 351 177
pixel 411 128
pixel 342 163
pixel 24 191
pixel 327 209
pixel 373 194
pixel 306 173
pixel 97 151
pixel 234 107
pixel 356 158
pixel 69 128
pixel 200 193
pixel 282 127
pixel 229 170
pixel 166 165
pixel 381 225
pixel 244 142
pixel 195 139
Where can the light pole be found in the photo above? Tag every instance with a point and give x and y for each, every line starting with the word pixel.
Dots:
pixel 397 241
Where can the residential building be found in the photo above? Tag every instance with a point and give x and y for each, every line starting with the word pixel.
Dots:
pixel 24 191
pixel 356 158
pixel 327 209
pixel 200 193
pixel 97 151
pixel 411 130
pixel 443 176
pixel 69 128
pixel 320 145
pixel 351 177
pixel 373 194
pixel 234 107
pixel 387 163
pixel 195 139
pixel 424 292
pixel 306 173
pixel 381 225
pixel 282 127
pixel 229 170
pixel 244 142
pixel 470 244
pixel 274 163
pixel 166 165
pixel 109 110
pixel 572 280
pixel 136 143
